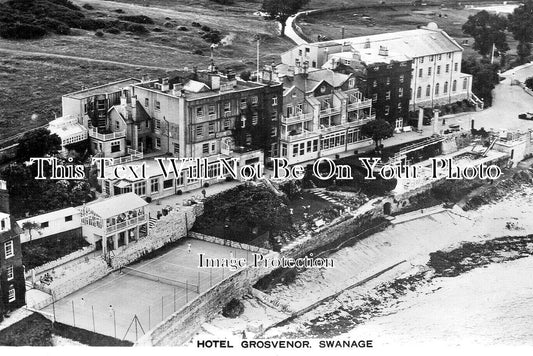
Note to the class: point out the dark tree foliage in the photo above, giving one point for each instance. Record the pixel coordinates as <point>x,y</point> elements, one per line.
<point>245,207</point>
<point>37,143</point>
<point>377,130</point>
<point>281,10</point>
<point>529,83</point>
<point>484,78</point>
<point>138,19</point>
<point>521,25</point>
<point>487,29</point>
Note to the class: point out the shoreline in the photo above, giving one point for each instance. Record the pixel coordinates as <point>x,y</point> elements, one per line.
<point>483,226</point>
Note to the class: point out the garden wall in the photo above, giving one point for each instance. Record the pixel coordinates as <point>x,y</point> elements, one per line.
<point>224,242</point>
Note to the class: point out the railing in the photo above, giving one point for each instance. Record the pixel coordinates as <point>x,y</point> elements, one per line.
<point>126,223</point>
<point>305,134</point>
<point>296,118</point>
<point>106,137</point>
<point>363,104</point>
<point>133,155</point>
<point>358,122</point>
<point>330,111</point>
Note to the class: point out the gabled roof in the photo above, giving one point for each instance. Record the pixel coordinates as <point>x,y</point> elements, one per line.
<point>195,87</point>
<point>116,205</point>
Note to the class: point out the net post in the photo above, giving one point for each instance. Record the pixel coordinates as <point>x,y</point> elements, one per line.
<point>115,323</point>
<point>174,300</point>
<point>73,314</point>
<point>94,325</point>
<point>187,291</point>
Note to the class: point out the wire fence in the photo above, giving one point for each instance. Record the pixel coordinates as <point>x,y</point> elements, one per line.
<point>130,323</point>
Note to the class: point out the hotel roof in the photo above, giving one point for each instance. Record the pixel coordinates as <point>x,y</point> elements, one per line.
<point>102,89</point>
<point>117,204</point>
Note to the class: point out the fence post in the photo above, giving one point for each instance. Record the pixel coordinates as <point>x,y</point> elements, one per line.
<point>149,319</point>
<point>94,325</point>
<point>187,291</point>
<point>174,300</point>
<point>115,323</point>
<point>73,314</point>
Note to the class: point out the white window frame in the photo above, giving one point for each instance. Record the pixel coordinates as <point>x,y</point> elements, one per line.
<point>12,294</point>
<point>11,249</point>
<point>10,273</point>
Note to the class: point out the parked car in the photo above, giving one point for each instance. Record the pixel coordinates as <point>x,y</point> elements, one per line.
<point>454,127</point>
<point>526,116</point>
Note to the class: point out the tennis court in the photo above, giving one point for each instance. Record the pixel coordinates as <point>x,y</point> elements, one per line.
<point>150,290</point>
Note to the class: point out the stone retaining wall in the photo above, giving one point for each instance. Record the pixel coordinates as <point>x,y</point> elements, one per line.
<point>223,242</point>
<point>61,261</point>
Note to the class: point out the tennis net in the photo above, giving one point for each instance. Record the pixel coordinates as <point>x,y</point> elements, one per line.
<point>160,279</point>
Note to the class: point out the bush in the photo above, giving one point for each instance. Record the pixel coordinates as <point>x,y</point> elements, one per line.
<point>38,252</point>
<point>529,83</point>
<point>205,28</point>
<point>233,309</point>
<point>183,28</point>
<point>135,28</point>
<point>245,75</point>
<point>229,178</point>
<point>198,52</point>
<point>22,31</point>
<point>206,185</point>
<point>196,24</point>
<point>148,199</point>
<point>138,19</point>
<point>179,192</point>
<point>99,33</point>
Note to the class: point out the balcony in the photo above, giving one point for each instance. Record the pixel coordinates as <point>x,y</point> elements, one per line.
<point>106,137</point>
<point>295,119</point>
<point>132,155</point>
<point>363,104</point>
<point>125,224</point>
<point>305,134</point>
<point>330,111</point>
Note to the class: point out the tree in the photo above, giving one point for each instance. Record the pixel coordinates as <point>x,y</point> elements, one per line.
<point>487,29</point>
<point>377,130</point>
<point>37,143</point>
<point>484,78</point>
<point>281,10</point>
<point>529,83</point>
<point>520,24</point>
<point>29,226</point>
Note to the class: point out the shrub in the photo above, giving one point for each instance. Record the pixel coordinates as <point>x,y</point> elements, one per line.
<point>206,185</point>
<point>22,31</point>
<point>135,28</point>
<point>212,37</point>
<point>245,75</point>
<point>196,24</point>
<point>198,52</point>
<point>138,19</point>
<point>205,28</point>
<point>179,192</point>
<point>148,199</point>
<point>529,83</point>
<point>233,309</point>
<point>183,28</point>
<point>99,33</point>
<point>88,7</point>
<point>229,178</point>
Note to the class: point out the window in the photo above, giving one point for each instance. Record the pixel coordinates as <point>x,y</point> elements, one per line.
<point>429,71</point>
<point>438,69</point>
<point>299,52</point>
<point>440,57</point>
<point>351,83</point>
<point>428,90</point>
<point>402,78</point>
<point>177,149</point>
<point>445,87</point>
<point>154,185</point>
<point>68,218</point>
<point>157,105</point>
<point>387,110</point>
<point>374,97</point>
<point>315,145</point>
<point>147,123</point>
<point>274,116</point>
<point>399,106</point>
<point>199,112</point>
<point>421,59</point>
<point>299,108</point>
<point>226,124</point>
<point>157,124</point>
<point>295,150</point>
<point>242,106</point>
<point>431,58</point>
<point>8,249</point>
<point>465,83</point>
<point>255,119</point>
<point>157,142</point>
<point>211,110</point>
<point>117,125</point>
<point>168,183</point>
<point>44,225</point>
<point>388,80</point>
<point>211,128</point>
<point>400,92</point>
<point>454,85</point>
<point>205,148</point>
<point>115,146</point>
<point>347,62</point>
<point>146,102</point>
<point>274,131</point>
<point>307,50</point>
<point>180,181</point>
<point>248,139</point>
<point>437,89</point>
<point>199,130</point>
<point>212,147</point>
<point>387,95</point>
<point>456,67</point>
<point>419,92</point>
<point>274,101</point>
<point>420,72</point>
<point>254,100</point>
<point>140,188</point>
<point>375,83</point>
<point>11,297</point>
<point>10,274</point>
<point>313,64</point>
<point>227,107</point>
<point>2,224</point>
<point>447,68</point>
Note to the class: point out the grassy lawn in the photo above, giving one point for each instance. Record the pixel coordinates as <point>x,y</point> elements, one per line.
<point>38,252</point>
